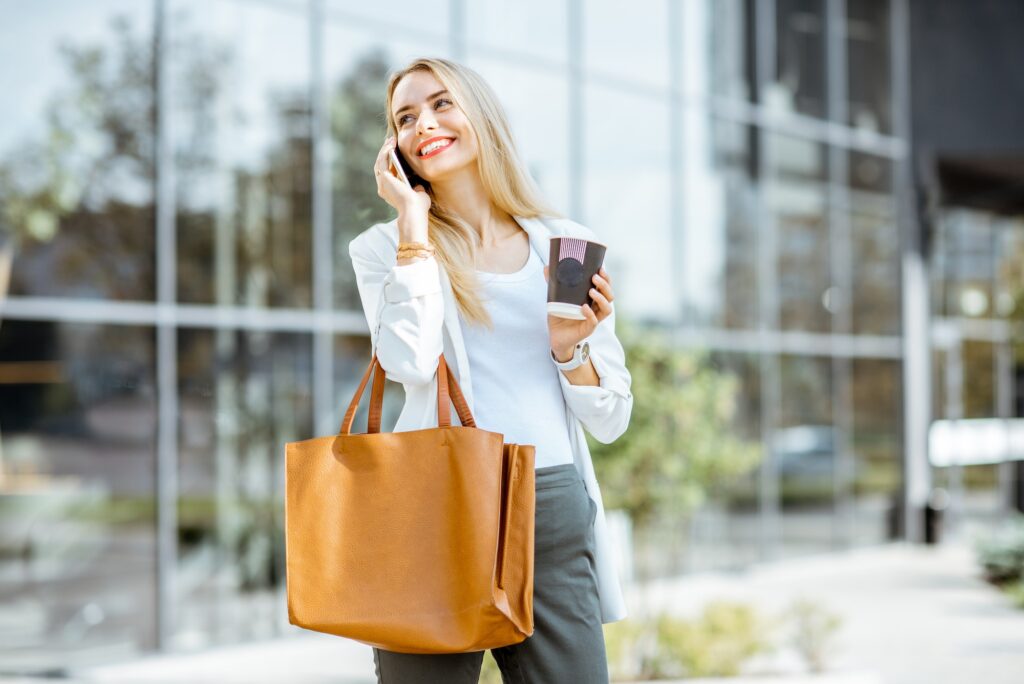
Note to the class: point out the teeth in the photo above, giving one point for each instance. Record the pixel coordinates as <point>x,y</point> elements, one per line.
<point>433,146</point>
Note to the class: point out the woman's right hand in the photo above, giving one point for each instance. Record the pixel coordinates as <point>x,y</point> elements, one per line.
<point>412,204</point>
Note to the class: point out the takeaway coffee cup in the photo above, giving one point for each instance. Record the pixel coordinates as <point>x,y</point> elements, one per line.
<point>572,263</point>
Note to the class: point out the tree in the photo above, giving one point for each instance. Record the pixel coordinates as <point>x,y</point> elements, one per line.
<point>680,444</point>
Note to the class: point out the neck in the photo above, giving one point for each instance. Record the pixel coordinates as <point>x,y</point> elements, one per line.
<point>466,197</point>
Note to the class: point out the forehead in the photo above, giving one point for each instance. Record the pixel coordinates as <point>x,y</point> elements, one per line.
<point>414,88</point>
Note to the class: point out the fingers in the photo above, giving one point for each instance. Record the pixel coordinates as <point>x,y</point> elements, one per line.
<point>604,285</point>
<point>382,166</point>
<point>604,305</point>
<point>545,273</point>
<point>590,315</point>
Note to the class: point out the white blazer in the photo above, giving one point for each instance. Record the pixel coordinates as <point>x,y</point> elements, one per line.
<point>412,316</point>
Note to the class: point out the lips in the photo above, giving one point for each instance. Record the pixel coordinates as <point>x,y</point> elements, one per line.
<point>451,141</point>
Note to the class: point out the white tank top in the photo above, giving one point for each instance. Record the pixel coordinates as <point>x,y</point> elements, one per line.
<point>516,390</point>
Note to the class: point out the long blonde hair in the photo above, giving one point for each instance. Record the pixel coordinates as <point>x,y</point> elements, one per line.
<point>502,172</point>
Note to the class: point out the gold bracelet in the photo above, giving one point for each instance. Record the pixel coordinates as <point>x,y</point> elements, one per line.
<point>417,250</point>
<point>406,246</point>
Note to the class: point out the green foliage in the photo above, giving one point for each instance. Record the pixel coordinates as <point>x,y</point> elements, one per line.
<point>1016,593</point>
<point>489,673</point>
<point>814,630</point>
<point>717,643</point>
<point>681,441</point>
<point>1001,554</point>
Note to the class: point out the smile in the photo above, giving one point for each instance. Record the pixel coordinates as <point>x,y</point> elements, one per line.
<point>436,148</point>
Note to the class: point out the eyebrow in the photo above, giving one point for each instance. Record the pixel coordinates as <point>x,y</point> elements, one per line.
<point>409,106</point>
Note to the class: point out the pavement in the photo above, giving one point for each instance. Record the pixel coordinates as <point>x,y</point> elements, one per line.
<point>909,615</point>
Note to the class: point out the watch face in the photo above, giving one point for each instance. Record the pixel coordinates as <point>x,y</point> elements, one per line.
<point>586,351</point>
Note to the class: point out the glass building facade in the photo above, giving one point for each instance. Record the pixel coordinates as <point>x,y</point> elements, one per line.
<point>180,181</point>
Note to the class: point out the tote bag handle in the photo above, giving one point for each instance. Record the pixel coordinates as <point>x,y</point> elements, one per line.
<point>448,391</point>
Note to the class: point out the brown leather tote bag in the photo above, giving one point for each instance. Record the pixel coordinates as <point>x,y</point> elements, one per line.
<point>415,542</point>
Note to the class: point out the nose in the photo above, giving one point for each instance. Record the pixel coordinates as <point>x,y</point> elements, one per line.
<point>425,122</point>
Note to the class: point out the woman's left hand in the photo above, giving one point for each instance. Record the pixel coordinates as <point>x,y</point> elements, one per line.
<point>566,332</point>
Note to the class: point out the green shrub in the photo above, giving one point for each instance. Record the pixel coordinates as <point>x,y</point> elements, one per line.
<point>1016,593</point>
<point>1001,554</point>
<point>718,642</point>
<point>814,629</point>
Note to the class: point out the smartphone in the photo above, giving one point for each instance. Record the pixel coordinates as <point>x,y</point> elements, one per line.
<point>405,172</point>
<point>399,165</point>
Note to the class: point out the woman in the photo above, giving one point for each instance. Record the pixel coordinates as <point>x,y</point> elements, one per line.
<point>459,272</point>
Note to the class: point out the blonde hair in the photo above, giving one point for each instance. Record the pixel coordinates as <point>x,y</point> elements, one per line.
<point>503,174</point>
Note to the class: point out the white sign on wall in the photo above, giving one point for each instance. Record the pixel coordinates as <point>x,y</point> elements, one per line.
<point>975,441</point>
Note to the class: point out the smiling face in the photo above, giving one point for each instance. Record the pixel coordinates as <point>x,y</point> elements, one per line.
<point>434,134</point>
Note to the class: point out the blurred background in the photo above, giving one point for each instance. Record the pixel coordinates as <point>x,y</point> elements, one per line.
<point>815,219</point>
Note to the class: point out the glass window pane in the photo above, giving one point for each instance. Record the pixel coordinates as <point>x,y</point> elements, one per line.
<point>726,530</point>
<point>351,358</point>
<point>537,27</point>
<point>876,274</point>
<point>1010,268</point>
<point>410,16</point>
<point>868,64</point>
<point>804,450</point>
<point>240,92</point>
<point>877,448</point>
<point>627,40</point>
<point>717,42</point>
<point>77,508</point>
<point>76,149</point>
<point>797,198</point>
<point>720,209</point>
<point>243,394</point>
<point>540,123</point>
<point>358,62</point>
<point>968,243</point>
<point>627,199</point>
<point>799,84</point>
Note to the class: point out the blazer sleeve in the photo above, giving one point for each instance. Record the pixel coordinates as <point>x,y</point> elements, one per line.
<point>404,310</point>
<point>603,410</point>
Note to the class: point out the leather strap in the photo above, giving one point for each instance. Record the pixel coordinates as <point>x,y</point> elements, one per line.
<point>448,392</point>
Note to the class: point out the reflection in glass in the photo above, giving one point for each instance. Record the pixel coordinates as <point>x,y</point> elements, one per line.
<point>77,508</point>
<point>540,123</point>
<point>627,41</point>
<point>239,92</point>
<point>804,451</point>
<point>243,395</point>
<point>876,443</point>
<point>717,42</point>
<point>77,151</point>
<point>967,261</point>
<point>868,64</point>
<point>876,274</point>
<point>410,15</point>
<point>799,85</point>
<point>720,232</point>
<point>351,358</point>
<point>537,27</point>
<point>1009,297</point>
<point>797,200</point>
<point>627,198</point>
<point>357,65</point>
<point>725,532</point>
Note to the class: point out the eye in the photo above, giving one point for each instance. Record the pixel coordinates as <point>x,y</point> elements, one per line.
<point>401,119</point>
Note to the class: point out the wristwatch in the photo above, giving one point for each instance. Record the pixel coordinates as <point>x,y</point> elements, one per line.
<point>579,357</point>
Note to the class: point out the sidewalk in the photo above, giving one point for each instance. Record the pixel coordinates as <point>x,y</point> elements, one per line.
<point>910,615</point>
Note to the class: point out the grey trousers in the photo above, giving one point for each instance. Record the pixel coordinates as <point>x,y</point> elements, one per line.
<point>567,644</point>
